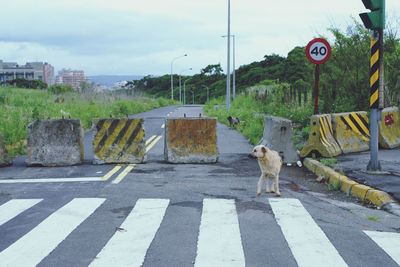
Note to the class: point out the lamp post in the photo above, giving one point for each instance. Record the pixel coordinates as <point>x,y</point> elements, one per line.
<point>180,83</point>
<point>192,96</point>
<point>228,72</point>
<point>184,90</point>
<point>172,76</point>
<point>208,92</point>
<point>234,68</point>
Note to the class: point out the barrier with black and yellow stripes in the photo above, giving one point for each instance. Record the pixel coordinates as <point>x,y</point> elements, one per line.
<point>351,131</point>
<point>321,140</point>
<point>389,128</point>
<point>119,141</point>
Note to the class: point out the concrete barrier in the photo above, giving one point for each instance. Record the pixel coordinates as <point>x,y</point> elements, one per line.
<point>191,140</point>
<point>321,140</point>
<point>389,128</point>
<point>118,141</point>
<point>55,143</point>
<point>4,160</point>
<point>278,136</point>
<point>351,131</point>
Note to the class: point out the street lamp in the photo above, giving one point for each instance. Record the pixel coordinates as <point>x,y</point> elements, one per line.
<point>172,76</point>
<point>192,96</point>
<point>184,90</point>
<point>208,92</point>
<point>234,68</point>
<point>228,72</point>
<point>180,83</point>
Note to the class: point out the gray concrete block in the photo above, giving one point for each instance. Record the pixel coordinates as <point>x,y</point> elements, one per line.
<point>278,136</point>
<point>55,143</point>
<point>4,160</point>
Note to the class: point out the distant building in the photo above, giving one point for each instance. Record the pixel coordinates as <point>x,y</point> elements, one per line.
<point>73,78</point>
<point>42,71</point>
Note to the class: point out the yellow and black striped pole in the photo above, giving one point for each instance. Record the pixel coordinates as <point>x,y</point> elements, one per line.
<point>374,72</point>
<point>376,82</point>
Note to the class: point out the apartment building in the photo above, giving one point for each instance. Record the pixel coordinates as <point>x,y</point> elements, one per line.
<point>73,78</point>
<point>42,71</point>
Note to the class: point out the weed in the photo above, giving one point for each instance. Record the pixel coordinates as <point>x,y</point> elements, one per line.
<point>373,218</point>
<point>334,186</point>
<point>330,162</point>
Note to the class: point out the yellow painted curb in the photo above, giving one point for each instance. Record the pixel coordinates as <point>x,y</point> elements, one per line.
<point>350,187</point>
<point>360,191</point>
<point>378,198</point>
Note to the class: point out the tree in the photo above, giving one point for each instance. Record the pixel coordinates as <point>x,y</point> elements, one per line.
<point>215,69</point>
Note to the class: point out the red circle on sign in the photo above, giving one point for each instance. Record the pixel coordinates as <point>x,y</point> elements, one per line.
<point>318,51</point>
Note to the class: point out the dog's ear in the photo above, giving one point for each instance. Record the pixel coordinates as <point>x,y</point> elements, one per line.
<point>264,149</point>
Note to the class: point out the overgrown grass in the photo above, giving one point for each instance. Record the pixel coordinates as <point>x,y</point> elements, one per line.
<point>329,162</point>
<point>19,107</point>
<point>252,112</point>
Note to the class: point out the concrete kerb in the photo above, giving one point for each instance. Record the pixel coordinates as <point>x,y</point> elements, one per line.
<point>365,193</point>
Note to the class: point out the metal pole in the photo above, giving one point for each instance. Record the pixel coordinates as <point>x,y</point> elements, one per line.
<point>172,75</point>
<point>234,70</point>
<point>192,97</point>
<point>228,72</point>
<point>184,90</point>
<point>375,66</point>
<point>180,90</point>
<point>316,88</point>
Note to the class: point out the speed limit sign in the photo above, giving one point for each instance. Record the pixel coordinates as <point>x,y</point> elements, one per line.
<point>318,51</point>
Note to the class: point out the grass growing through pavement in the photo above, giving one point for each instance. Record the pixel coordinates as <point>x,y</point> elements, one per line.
<point>329,162</point>
<point>334,186</point>
<point>19,107</point>
<point>373,218</point>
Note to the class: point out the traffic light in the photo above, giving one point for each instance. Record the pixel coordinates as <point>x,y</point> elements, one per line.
<point>374,20</point>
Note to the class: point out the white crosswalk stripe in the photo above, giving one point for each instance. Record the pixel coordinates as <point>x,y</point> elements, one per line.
<point>308,243</point>
<point>15,207</point>
<point>44,238</point>
<point>219,242</point>
<point>128,246</point>
<point>389,242</point>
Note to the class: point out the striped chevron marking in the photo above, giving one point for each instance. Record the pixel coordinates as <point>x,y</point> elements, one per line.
<point>374,73</point>
<point>219,243</point>
<point>358,124</point>
<point>33,247</point>
<point>389,242</point>
<point>14,207</point>
<point>118,139</point>
<point>326,132</point>
<point>308,243</point>
<point>128,246</point>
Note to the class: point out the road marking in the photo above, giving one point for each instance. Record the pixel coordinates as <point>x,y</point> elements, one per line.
<point>14,207</point>
<point>44,238</point>
<point>124,173</point>
<point>129,245</point>
<point>148,141</point>
<point>308,243</point>
<point>163,126</point>
<point>52,180</point>
<point>389,242</point>
<point>151,145</point>
<point>111,173</point>
<point>219,242</point>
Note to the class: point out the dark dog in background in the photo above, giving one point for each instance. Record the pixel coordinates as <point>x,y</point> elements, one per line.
<point>233,122</point>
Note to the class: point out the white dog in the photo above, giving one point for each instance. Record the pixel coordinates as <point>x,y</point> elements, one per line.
<point>270,164</point>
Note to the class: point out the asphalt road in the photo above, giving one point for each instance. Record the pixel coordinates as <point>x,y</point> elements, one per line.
<point>159,214</point>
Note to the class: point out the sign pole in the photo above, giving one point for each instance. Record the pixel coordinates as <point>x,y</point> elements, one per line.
<point>316,88</point>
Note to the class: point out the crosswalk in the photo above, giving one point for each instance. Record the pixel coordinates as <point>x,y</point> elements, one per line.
<point>219,240</point>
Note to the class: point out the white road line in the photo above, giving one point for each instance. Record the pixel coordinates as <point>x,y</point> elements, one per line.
<point>163,126</point>
<point>308,243</point>
<point>150,146</point>
<point>148,141</point>
<point>111,173</point>
<point>52,180</point>
<point>219,242</point>
<point>14,207</point>
<point>389,242</point>
<point>124,173</point>
<point>33,247</point>
<point>129,245</point>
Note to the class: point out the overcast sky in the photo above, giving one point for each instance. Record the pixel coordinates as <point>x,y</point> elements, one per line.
<point>142,37</point>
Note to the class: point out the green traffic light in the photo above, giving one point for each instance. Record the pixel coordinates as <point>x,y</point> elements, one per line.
<point>374,20</point>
